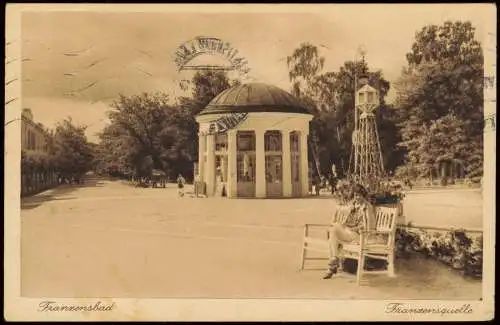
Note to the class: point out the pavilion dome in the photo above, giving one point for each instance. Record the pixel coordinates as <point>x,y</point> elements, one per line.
<point>254,97</point>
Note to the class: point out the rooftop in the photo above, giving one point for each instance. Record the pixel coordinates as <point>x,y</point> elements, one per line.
<point>254,97</point>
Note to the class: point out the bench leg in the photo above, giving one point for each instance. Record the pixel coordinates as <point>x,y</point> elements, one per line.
<point>390,265</point>
<point>361,267</point>
<point>303,256</point>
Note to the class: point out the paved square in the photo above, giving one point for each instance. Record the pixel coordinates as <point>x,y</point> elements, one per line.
<point>109,239</point>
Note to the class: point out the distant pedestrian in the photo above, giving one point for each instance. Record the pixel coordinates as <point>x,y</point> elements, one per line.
<point>333,183</point>
<point>316,185</point>
<point>180,185</point>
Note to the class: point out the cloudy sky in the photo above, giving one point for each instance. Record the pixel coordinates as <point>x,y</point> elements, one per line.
<point>76,62</point>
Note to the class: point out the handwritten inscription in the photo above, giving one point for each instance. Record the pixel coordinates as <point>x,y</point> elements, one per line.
<point>52,306</point>
<point>400,308</point>
<point>210,46</point>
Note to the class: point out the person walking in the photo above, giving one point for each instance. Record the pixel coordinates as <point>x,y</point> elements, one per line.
<point>180,185</point>
<point>333,183</point>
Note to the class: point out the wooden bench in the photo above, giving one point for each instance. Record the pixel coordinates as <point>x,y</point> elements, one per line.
<point>384,249</point>
<point>321,244</point>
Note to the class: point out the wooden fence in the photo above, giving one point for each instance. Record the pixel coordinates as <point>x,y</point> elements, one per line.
<point>36,182</point>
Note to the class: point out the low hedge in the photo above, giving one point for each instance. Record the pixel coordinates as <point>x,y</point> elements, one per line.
<point>455,249</point>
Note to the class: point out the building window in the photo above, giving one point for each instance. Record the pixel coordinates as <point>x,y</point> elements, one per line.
<point>273,146</point>
<point>370,97</point>
<point>274,171</point>
<point>221,142</point>
<point>294,142</point>
<point>361,98</point>
<point>295,168</point>
<point>221,168</point>
<point>245,167</point>
<point>245,160</point>
<point>245,141</point>
<point>31,140</point>
<point>272,141</point>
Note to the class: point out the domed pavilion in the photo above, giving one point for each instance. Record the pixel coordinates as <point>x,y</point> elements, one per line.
<point>253,143</point>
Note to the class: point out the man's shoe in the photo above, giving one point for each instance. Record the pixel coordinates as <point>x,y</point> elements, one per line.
<point>330,273</point>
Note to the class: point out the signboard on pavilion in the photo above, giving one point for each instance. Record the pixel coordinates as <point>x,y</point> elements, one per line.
<point>223,123</point>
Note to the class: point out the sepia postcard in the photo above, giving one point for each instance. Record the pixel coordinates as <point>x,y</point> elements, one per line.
<point>249,162</point>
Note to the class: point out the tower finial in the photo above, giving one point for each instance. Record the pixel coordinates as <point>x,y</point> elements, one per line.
<point>362,52</point>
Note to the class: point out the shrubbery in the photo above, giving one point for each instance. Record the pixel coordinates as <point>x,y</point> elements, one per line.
<point>454,248</point>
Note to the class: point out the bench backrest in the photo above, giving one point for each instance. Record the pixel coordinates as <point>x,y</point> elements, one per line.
<point>386,218</point>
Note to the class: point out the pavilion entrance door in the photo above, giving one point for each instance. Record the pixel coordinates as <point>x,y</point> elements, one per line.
<point>296,186</point>
<point>245,164</point>
<point>220,175</point>
<point>295,163</point>
<point>246,174</point>
<point>274,173</point>
<point>274,163</point>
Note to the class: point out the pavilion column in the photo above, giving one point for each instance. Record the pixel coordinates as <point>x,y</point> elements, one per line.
<point>304,164</point>
<point>287,164</point>
<point>210,171</point>
<point>202,138</point>
<point>260,165</point>
<point>232,176</point>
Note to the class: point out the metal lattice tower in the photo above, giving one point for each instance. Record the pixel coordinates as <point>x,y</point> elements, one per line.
<point>368,161</point>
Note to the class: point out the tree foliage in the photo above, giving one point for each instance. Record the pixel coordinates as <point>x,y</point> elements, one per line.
<point>70,149</point>
<point>329,96</point>
<point>147,132</point>
<point>440,100</point>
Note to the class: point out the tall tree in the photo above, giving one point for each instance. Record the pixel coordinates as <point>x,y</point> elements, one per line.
<point>72,152</point>
<point>205,85</point>
<point>147,132</point>
<point>329,96</point>
<point>440,88</point>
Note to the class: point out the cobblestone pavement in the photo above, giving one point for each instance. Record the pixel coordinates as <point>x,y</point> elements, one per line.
<point>109,239</point>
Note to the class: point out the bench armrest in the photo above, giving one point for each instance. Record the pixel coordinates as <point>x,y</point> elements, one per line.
<point>325,227</point>
<point>317,225</point>
<point>367,232</point>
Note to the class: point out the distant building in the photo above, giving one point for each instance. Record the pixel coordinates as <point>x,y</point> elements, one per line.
<point>33,135</point>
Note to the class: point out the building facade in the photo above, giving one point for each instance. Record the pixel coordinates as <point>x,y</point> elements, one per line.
<point>35,143</point>
<point>33,135</point>
<point>253,143</point>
